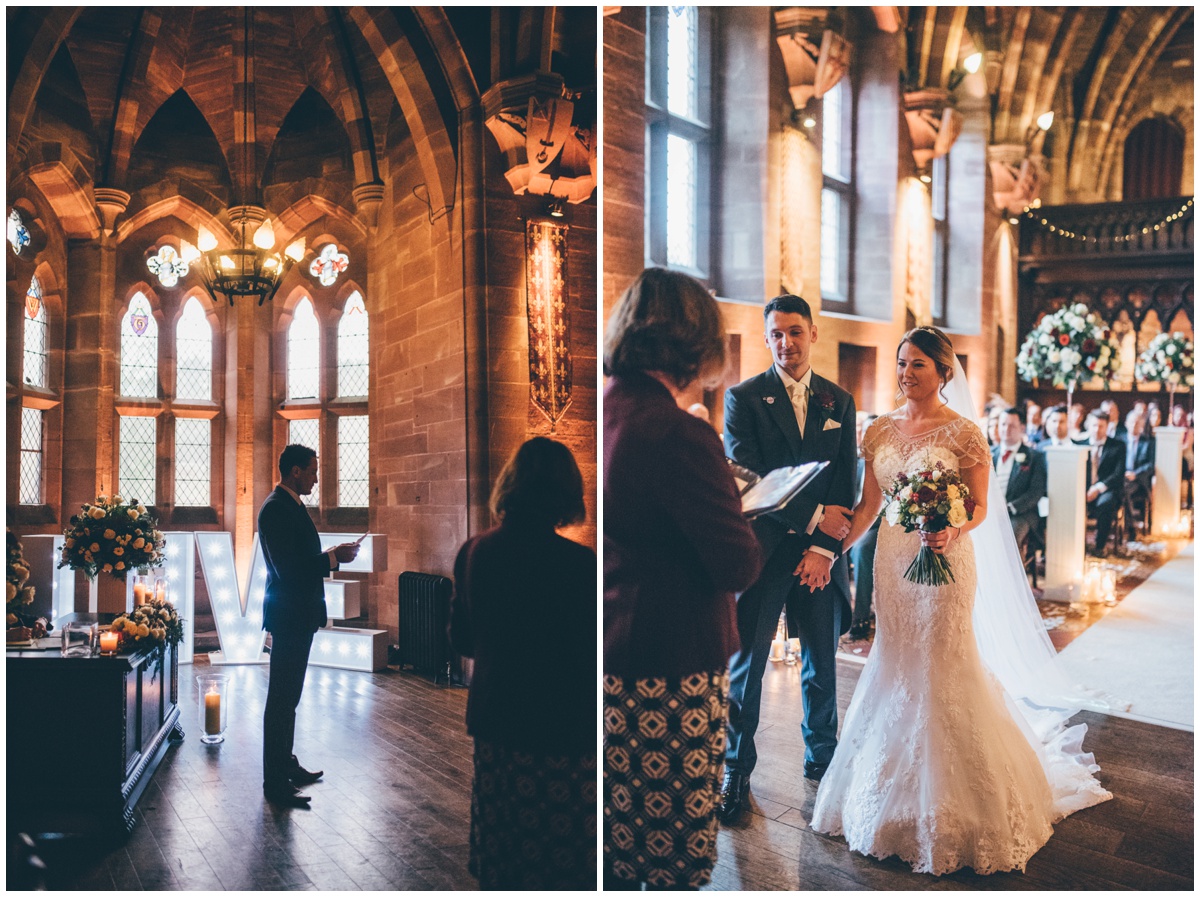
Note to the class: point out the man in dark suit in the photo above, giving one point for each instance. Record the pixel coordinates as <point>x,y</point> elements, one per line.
<point>1105,477</point>
<point>1020,475</point>
<point>293,610</point>
<point>1139,463</point>
<point>786,416</point>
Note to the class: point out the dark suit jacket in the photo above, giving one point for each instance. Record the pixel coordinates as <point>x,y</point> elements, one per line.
<point>676,546</point>
<point>525,608</point>
<point>1027,482</point>
<point>1112,466</point>
<point>296,566</point>
<point>761,434</point>
<point>1140,461</point>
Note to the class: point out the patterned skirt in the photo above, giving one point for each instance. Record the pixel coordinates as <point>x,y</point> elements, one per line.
<point>533,820</point>
<point>664,748</point>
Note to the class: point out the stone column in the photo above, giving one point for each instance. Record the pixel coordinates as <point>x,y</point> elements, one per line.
<point>1066,525</point>
<point>1168,479</point>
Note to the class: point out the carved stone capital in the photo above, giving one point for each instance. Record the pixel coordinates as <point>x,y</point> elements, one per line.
<point>814,54</point>
<point>368,198</point>
<point>110,202</point>
<point>933,124</point>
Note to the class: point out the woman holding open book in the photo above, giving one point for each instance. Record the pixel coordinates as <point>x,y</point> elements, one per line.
<point>676,549</point>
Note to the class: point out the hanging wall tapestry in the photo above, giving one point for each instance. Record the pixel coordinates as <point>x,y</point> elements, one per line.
<point>549,325</point>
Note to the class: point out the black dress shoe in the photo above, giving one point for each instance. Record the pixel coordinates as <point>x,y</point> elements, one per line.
<point>301,776</point>
<point>815,771</point>
<point>733,796</point>
<point>860,631</point>
<point>286,795</point>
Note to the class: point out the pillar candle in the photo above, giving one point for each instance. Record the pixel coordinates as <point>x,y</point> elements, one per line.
<point>777,649</point>
<point>140,593</point>
<point>212,713</point>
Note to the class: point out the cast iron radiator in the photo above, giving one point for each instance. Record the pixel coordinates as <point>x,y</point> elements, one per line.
<point>424,616</point>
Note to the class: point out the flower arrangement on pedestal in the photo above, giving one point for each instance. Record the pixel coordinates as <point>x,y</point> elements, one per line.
<point>112,536</point>
<point>1070,347</point>
<point>1169,360</point>
<point>154,624</point>
<point>19,625</point>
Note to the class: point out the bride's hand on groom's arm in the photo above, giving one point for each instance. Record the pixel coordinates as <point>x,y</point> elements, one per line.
<point>836,522</point>
<point>814,570</point>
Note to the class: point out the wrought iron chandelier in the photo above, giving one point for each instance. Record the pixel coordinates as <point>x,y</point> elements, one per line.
<point>252,267</point>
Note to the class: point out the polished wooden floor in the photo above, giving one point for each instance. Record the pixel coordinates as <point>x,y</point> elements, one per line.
<point>1142,839</point>
<point>391,814</point>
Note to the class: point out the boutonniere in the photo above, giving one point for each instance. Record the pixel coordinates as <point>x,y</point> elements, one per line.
<point>1022,458</point>
<point>824,403</point>
<point>770,400</point>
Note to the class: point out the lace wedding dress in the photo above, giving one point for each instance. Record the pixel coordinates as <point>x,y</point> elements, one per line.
<point>936,764</point>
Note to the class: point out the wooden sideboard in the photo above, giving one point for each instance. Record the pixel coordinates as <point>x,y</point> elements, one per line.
<point>85,735</point>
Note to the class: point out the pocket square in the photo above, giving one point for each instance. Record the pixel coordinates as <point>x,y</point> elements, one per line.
<point>831,424</point>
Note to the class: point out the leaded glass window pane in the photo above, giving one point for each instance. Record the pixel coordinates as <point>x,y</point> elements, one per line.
<point>831,208</point>
<point>139,350</point>
<point>37,329</point>
<point>135,471</point>
<point>353,361</point>
<point>31,457</point>
<point>193,462</point>
<point>306,432</point>
<point>304,353</point>
<point>683,50</point>
<point>193,346</point>
<point>353,462</point>
<point>681,201</point>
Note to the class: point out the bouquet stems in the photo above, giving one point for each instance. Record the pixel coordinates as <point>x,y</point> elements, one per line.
<point>929,569</point>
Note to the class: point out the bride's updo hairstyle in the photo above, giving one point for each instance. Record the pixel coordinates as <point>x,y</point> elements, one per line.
<point>937,346</point>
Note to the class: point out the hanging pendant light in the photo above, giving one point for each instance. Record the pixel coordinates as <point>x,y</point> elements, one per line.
<point>252,267</point>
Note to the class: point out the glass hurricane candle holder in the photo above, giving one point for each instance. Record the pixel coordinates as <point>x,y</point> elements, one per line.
<point>78,639</point>
<point>141,589</point>
<point>214,707</point>
<point>160,589</point>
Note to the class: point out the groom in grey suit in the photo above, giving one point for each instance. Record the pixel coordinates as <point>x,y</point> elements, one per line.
<point>785,416</point>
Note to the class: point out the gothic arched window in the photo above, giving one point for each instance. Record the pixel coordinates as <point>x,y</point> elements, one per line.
<point>37,327</point>
<point>193,349</point>
<point>139,350</point>
<point>304,353</point>
<point>353,361</point>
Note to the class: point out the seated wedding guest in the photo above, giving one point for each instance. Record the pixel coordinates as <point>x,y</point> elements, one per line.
<point>1139,457</point>
<point>1033,423</point>
<point>862,555</point>
<point>525,608</point>
<point>1105,477</point>
<point>1056,427</point>
<point>993,424</point>
<point>676,549</point>
<point>1020,475</point>
<point>1075,425</point>
<point>1180,418</point>
<point>1116,429</point>
<point>1153,417</point>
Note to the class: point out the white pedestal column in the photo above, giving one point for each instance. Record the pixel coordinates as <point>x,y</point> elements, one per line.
<point>1168,478</point>
<point>1066,523</point>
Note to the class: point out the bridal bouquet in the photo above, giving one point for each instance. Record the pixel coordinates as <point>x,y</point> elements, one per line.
<point>929,500</point>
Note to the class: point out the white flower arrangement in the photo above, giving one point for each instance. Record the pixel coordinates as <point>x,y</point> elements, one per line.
<point>1069,347</point>
<point>1169,359</point>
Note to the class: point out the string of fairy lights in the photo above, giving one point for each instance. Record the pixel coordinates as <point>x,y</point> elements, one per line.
<point>1032,213</point>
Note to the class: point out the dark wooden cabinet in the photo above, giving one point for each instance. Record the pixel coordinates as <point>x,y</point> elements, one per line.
<point>85,735</point>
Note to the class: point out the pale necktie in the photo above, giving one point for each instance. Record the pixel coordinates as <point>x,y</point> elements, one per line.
<point>1095,463</point>
<point>798,395</point>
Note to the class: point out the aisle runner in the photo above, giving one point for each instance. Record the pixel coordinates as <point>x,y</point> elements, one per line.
<point>1142,652</point>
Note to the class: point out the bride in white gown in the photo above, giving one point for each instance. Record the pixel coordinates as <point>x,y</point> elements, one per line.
<point>937,763</point>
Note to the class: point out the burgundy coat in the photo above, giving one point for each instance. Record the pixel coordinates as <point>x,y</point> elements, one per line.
<point>676,547</point>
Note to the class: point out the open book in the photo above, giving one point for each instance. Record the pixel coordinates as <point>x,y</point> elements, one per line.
<point>762,495</point>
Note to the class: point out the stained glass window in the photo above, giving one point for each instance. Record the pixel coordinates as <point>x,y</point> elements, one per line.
<point>353,361</point>
<point>193,348</point>
<point>353,462</point>
<point>167,266</point>
<point>31,457</point>
<point>328,264</point>
<point>304,353</point>
<point>139,350</point>
<point>307,432</point>
<point>18,233</point>
<point>683,39</point>
<point>135,470</point>
<point>37,329</point>
<point>193,462</point>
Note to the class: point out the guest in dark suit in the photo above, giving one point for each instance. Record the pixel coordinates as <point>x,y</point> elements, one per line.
<point>1020,475</point>
<point>525,608</point>
<point>1116,430</point>
<point>1056,428</point>
<point>293,610</point>
<point>1139,462</point>
<point>1105,477</point>
<point>862,554</point>
<point>785,416</point>
<point>676,548</point>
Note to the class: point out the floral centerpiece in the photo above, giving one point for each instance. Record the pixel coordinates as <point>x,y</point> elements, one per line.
<point>150,627</point>
<point>1067,348</point>
<point>112,536</point>
<point>1169,360</point>
<point>929,500</point>
<point>18,595</point>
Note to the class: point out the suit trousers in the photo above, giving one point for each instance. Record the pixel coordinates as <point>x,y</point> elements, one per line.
<point>819,618</point>
<point>289,663</point>
<point>863,556</point>
<point>1104,509</point>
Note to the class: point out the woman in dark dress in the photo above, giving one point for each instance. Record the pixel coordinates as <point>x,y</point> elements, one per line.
<point>676,548</point>
<point>525,609</point>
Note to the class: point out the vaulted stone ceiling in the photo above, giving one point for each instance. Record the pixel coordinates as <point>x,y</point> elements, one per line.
<point>1098,68</point>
